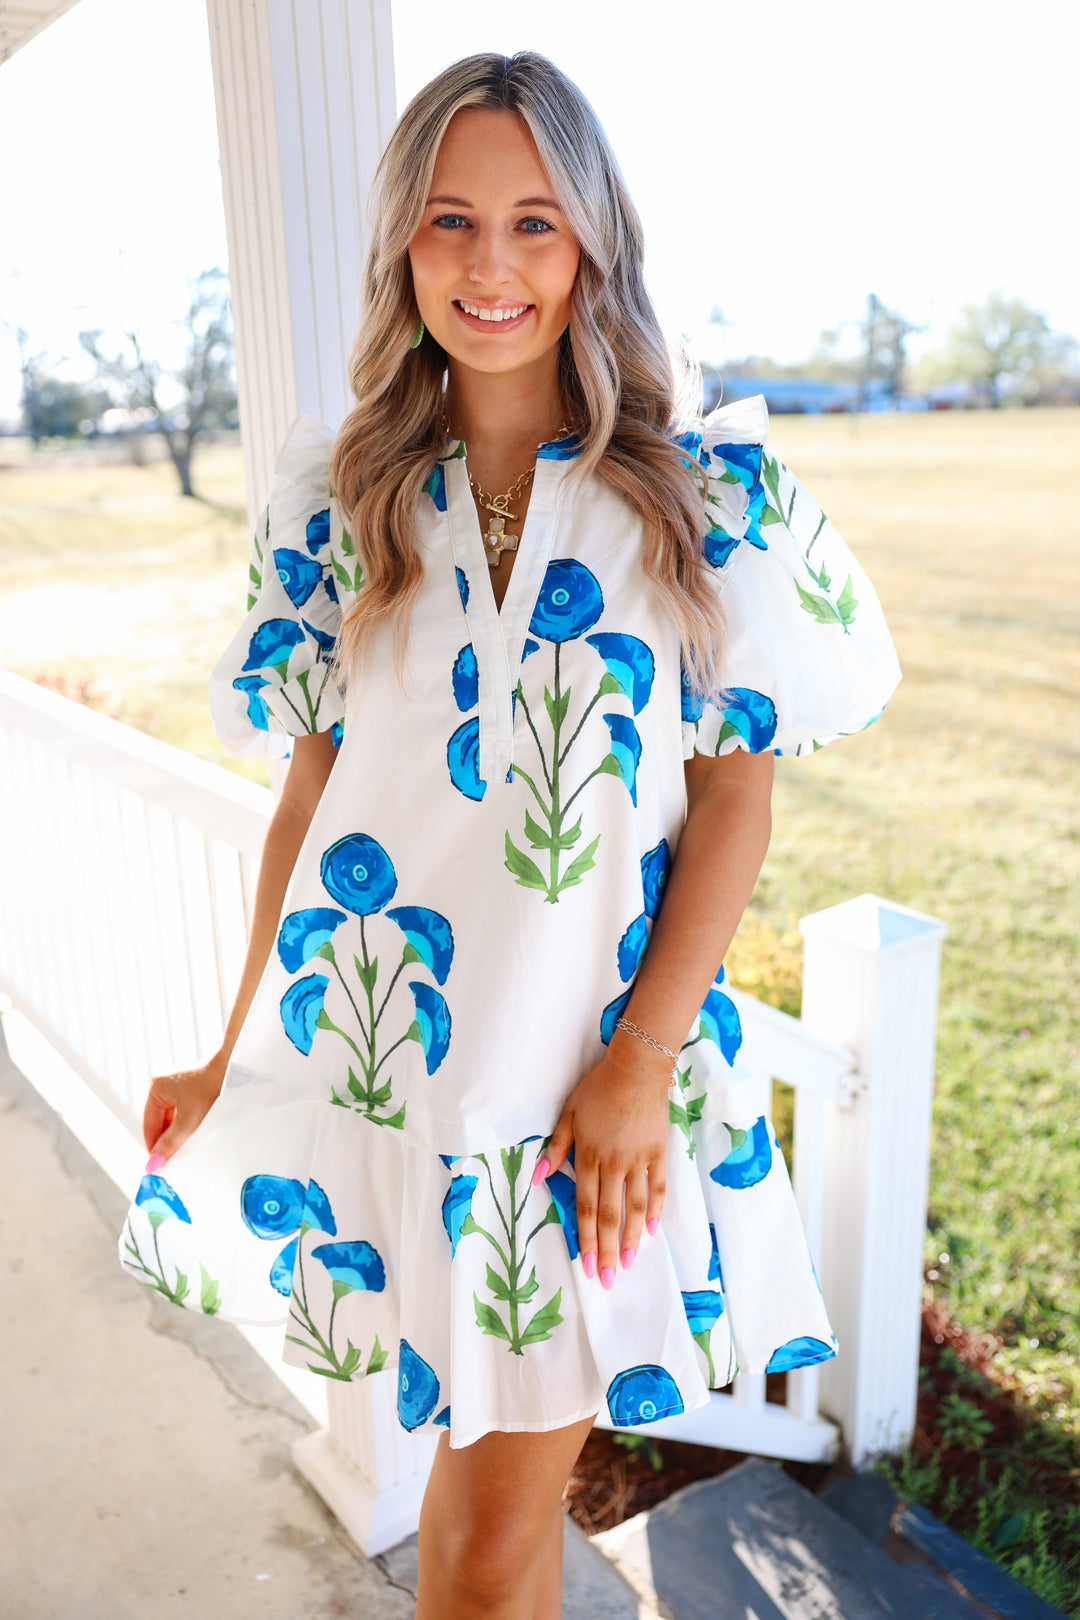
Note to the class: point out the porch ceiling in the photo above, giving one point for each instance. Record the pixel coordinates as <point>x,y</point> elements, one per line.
<point>20,22</point>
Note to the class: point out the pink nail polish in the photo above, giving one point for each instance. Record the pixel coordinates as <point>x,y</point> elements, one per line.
<point>540,1173</point>
<point>154,1163</point>
<point>652,1224</point>
<point>588,1263</point>
<point>607,1276</point>
<point>627,1258</point>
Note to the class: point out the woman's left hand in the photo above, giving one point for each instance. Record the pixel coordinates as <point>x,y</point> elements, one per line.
<point>617,1119</point>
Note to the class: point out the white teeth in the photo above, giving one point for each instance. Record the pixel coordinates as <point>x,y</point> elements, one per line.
<point>492,314</point>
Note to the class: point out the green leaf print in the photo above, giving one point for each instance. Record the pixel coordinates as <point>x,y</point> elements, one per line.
<point>210,1294</point>
<point>347,544</point>
<point>556,707</point>
<point>175,1291</point>
<point>538,838</point>
<point>328,1362</point>
<point>609,766</point>
<point>377,1358</point>
<point>611,686</point>
<point>525,870</point>
<point>846,603</point>
<point>579,866</point>
<point>819,607</point>
<point>768,515</point>
<point>770,472</point>
<point>507,1282</point>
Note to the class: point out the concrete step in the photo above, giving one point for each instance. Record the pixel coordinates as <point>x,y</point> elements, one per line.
<point>754,1542</point>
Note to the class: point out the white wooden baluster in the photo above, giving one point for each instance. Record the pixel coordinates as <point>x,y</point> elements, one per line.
<point>870,980</point>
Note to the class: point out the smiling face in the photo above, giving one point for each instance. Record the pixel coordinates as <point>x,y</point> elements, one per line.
<point>493,259</point>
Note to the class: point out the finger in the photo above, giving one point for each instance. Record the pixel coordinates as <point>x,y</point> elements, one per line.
<point>637,1199</point>
<point>558,1146</point>
<point>609,1223</point>
<point>158,1114</point>
<point>588,1188</point>
<point>657,1187</point>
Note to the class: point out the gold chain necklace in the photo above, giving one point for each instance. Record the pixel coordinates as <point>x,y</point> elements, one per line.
<point>498,539</point>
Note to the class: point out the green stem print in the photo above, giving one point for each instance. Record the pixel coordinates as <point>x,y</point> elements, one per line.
<point>687,1111</point>
<point>822,608</point>
<point>509,1285</point>
<point>340,1367</point>
<point>366,1096</point>
<point>557,835</point>
<point>178,1290</point>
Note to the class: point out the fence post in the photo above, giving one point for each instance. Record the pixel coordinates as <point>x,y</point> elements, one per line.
<point>870,982</point>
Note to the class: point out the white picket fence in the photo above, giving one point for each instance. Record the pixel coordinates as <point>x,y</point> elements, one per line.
<point>127,873</point>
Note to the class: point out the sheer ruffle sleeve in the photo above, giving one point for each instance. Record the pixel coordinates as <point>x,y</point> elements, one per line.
<point>809,654</point>
<point>273,680</point>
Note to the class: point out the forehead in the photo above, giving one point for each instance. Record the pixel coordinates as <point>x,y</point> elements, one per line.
<point>490,153</point>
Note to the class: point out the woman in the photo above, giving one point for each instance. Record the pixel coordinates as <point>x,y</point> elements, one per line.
<point>457,1118</point>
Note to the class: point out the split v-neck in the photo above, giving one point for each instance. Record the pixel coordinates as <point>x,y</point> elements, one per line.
<point>498,633</point>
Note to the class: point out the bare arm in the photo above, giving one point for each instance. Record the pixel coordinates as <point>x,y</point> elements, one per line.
<point>617,1115</point>
<point>177,1103</point>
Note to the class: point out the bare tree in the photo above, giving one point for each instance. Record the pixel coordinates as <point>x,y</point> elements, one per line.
<point>884,349</point>
<point>206,378</point>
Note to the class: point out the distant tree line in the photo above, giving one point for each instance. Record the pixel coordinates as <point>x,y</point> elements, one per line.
<point>1002,349</point>
<point>203,386</point>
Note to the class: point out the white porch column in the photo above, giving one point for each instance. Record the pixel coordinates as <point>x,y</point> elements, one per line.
<point>305,103</point>
<point>870,980</point>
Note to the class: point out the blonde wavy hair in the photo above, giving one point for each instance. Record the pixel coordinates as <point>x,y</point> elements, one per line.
<point>623,389</point>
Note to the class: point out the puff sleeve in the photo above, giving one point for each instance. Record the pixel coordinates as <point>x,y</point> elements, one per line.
<point>809,655</point>
<point>273,680</point>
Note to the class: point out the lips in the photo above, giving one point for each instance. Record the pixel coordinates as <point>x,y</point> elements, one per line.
<point>492,317</point>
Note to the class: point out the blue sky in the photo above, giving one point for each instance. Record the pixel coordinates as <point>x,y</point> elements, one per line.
<point>787,158</point>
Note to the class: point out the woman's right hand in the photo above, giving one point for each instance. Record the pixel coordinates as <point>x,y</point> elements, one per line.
<point>177,1103</point>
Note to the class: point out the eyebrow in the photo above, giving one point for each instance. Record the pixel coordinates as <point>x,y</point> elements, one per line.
<point>525,202</point>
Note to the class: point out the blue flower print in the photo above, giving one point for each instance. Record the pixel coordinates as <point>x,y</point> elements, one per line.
<point>417,1388</point>
<point>703,1307</point>
<point>612,1013</point>
<point>300,1008</point>
<point>158,1199</point>
<point>632,949</point>
<point>430,936</point>
<point>303,932</point>
<point>272,1206</point>
<point>750,1159</point>
<point>631,663</point>
<point>456,1205</point>
<point>463,759</point>
<point>281,1272</point>
<point>530,646</point>
<point>625,750</point>
<point>745,461</point>
<point>801,1352</point>
<point>331,589</point>
<point>433,1023</point>
<point>298,574</point>
<point>655,866</point>
<point>569,603</point>
<point>317,1211</point>
<point>719,1017</point>
<point>641,1395</point>
<point>326,641</point>
<point>318,529</point>
<point>463,586</point>
<point>693,703</point>
<point>352,1266</point>
<point>750,715</point>
<point>690,440</point>
<point>718,546</point>
<point>337,732</point>
<point>436,487</point>
<point>442,1419</point>
<point>258,713</point>
<point>359,874</point>
<point>466,679</point>
<point>563,1192</point>
<point>564,449</point>
<point>272,643</point>
<point>715,1273</point>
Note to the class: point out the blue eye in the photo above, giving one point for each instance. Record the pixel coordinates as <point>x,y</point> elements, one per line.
<point>449,222</point>
<point>534,220</point>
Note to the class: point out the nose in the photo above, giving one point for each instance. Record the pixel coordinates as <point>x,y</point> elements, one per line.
<point>490,266</point>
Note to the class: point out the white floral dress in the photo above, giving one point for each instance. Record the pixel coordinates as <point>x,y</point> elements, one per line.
<point>462,928</point>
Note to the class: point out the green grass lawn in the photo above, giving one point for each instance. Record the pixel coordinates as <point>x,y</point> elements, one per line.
<point>962,801</point>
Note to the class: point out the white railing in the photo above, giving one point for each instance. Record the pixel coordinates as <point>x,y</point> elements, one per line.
<point>127,873</point>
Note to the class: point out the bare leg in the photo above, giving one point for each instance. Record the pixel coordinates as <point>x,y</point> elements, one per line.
<point>487,1526</point>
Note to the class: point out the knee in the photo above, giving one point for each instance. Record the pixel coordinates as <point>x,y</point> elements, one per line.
<point>485,1560</point>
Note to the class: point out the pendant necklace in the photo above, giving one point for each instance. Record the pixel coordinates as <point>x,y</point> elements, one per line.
<point>498,538</point>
